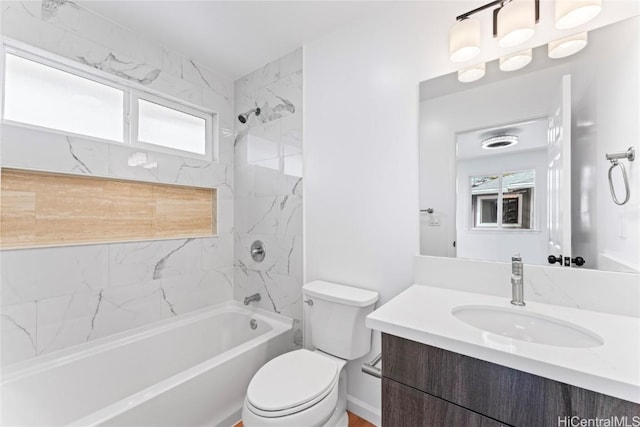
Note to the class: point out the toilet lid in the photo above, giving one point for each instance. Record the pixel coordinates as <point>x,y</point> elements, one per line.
<point>291,380</point>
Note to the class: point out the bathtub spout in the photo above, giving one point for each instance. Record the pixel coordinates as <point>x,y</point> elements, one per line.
<point>254,297</point>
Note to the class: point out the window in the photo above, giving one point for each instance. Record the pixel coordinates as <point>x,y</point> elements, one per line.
<point>44,96</point>
<point>168,127</point>
<point>503,201</point>
<point>74,99</point>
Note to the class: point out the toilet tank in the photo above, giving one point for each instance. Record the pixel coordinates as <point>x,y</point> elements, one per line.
<point>337,318</point>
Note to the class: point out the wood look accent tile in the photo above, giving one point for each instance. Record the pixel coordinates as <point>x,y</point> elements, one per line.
<point>49,209</point>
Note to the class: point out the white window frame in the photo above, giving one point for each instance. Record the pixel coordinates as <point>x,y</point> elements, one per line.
<point>520,210</point>
<point>134,119</point>
<point>479,223</point>
<point>132,92</point>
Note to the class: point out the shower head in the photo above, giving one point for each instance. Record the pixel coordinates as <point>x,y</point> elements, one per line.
<point>244,117</point>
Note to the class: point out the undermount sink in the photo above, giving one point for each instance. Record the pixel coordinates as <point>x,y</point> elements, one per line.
<point>523,325</point>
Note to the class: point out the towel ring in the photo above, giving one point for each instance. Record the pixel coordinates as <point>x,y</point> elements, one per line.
<point>613,158</point>
<point>615,163</point>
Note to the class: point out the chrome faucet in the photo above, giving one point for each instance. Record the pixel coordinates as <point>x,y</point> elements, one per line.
<point>517,280</point>
<point>254,297</point>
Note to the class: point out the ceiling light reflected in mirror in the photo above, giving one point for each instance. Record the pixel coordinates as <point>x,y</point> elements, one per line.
<point>473,73</point>
<point>516,61</point>
<point>567,46</point>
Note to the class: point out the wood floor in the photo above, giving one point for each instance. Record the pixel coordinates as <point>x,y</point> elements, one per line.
<point>354,421</point>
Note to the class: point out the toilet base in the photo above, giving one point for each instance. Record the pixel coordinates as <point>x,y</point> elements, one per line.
<point>338,419</point>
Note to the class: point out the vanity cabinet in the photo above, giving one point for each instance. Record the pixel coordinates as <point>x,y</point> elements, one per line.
<point>428,386</point>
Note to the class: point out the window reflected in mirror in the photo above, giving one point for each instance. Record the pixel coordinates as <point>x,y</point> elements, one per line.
<point>503,201</point>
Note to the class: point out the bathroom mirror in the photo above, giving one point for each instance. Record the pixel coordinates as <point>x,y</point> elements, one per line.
<point>515,162</point>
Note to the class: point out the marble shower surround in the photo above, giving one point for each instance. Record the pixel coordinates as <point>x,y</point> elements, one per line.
<point>268,190</point>
<point>52,298</point>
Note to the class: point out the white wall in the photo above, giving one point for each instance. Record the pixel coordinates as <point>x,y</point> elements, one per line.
<point>361,167</point>
<point>361,141</point>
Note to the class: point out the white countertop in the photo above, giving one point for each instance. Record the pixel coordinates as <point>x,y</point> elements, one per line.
<point>423,314</point>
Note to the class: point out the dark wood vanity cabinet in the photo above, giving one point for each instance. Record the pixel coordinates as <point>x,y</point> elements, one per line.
<point>428,386</point>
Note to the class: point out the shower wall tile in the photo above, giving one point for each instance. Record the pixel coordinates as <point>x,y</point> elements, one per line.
<point>268,187</point>
<point>280,294</point>
<point>244,180</point>
<point>56,297</point>
<point>138,262</point>
<point>258,79</point>
<point>215,253</point>
<point>270,182</point>
<point>291,63</point>
<point>198,291</point>
<point>36,274</point>
<point>35,149</point>
<point>85,316</point>
<point>18,332</point>
<point>126,307</point>
<point>225,218</point>
<point>282,255</point>
<point>66,320</point>
<point>279,215</point>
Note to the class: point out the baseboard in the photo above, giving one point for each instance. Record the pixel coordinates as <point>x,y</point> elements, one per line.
<point>364,410</point>
<point>230,420</point>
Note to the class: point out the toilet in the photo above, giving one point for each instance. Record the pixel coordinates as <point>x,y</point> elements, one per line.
<point>308,388</point>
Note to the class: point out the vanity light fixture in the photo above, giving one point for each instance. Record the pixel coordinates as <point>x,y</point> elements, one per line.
<point>498,142</point>
<point>513,22</point>
<point>567,46</point>
<point>472,73</point>
<point>516,60</point>
<point>572,13</point>
<point>464,40</point>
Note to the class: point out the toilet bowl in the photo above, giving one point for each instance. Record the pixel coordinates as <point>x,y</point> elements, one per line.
<point>300,388</point>
<point>308,388</point>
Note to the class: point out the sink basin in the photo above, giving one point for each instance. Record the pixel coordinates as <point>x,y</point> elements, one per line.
<point>526,326</point>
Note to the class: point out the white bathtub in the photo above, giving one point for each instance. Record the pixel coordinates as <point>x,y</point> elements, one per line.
<point>191,370</point>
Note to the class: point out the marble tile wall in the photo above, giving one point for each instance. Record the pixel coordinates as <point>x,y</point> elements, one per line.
<point>268,187</point>
<point>52,298</point>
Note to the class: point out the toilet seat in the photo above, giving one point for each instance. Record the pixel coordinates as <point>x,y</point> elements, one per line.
<point>291,383</point>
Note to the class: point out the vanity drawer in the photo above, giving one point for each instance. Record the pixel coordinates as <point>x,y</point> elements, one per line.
<point>406,406</point>
<point>511,396</point>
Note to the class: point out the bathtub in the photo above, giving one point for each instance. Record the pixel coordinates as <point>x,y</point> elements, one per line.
<point>190,370</point>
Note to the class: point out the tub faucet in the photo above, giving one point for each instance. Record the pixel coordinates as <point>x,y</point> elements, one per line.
<point>254,297</point>
<point>517,280</point>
